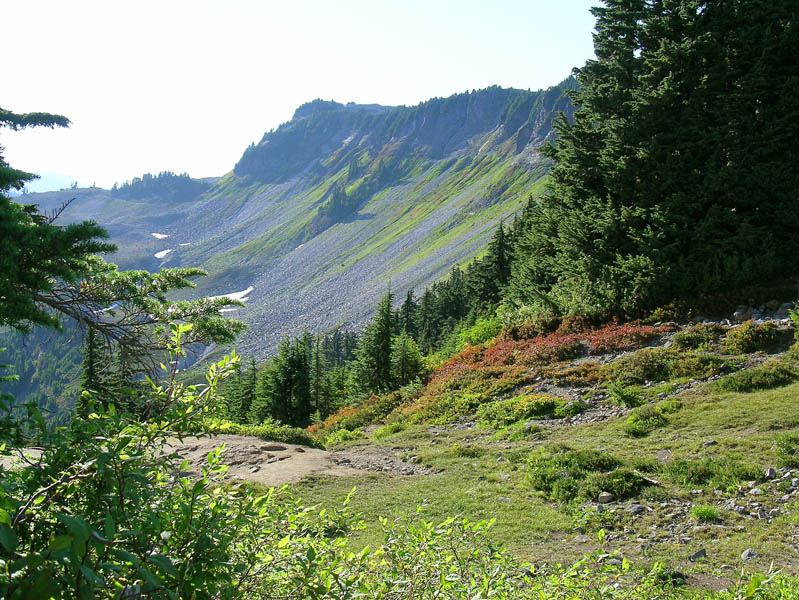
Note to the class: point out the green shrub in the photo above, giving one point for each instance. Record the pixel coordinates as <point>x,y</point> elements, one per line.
<point>269,430</point>
<point>700,336</point>
<point>339,436</point>
<point>661,364</point>
<point>750,337</point>
<point>644,420</point>
<point>526,406</point>
<point>482,331</point>
<point>773,373</point>
<point>628,396</point>
<point>705,513</point>
<point>788,449</point>
<point>622,483</point>
<point>389,429</point>
<point>564,474</point>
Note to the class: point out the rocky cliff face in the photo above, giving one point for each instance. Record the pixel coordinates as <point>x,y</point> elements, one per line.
<point>317,217</point>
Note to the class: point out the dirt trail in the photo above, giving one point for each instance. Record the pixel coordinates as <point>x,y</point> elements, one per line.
<point>272,463</point>
<point>253,459</point>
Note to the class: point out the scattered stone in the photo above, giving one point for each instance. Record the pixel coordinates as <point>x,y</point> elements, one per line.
<point>299,449</point>
<point>583,539</point>
<point>606,498</point>
<point>748,555</point>
<point>761,514</point>
<point>755,492</point>
<point>635,509</point>
<point>774,512</point>
<point>254,469</point>
<point>271,447</point>
<point>504,477</point>
<point>710,443</point>
<point>699,554</point>
<point>770,473</point>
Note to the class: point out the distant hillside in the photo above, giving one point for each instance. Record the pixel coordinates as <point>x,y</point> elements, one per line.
<point>319,215</point>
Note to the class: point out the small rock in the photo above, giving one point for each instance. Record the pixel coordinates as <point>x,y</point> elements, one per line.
<point>774,512</point>
<point>770,473</point>
<point>710,443</point>
<point>699,554</point>
<point>755,492</point>
<point>504,477</point>
<point>795,482</point>
<point>583,539</point>
<point>635,509</point>
<point>606,497</point>
<point>748,555</point>
<point>254,469</point>
<point>271,447</point>
<point>299,449</point>
<point>761,514</point>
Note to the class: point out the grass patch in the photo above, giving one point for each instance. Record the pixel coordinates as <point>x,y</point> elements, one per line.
<point>788,449</point>
<point>644,420</point>
<point>629,396</point>
<point>718,474</point>
<point>705,513</point>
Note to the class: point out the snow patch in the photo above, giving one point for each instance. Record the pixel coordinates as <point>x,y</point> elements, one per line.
<point>186,244</point>
<point>160,236</point>
<point>242,295</point>
<point>163,253</point>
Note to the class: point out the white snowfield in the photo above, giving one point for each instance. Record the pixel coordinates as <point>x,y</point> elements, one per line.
<point>163,253</point>
<point>242,295</point>
<point>160,236</point>
<point>185,244</point>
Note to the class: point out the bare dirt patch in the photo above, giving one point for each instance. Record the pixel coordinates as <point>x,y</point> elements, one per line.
<point>253,459</point>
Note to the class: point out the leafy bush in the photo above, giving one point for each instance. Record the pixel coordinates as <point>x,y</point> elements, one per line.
<point>502,413</point>
<point>700,336</point>
<point>644,420</point>
<point>268,430</point>
<point>389,429</point>
<point>661,364</point>
<point>749,337</point>
<point>339,436</point>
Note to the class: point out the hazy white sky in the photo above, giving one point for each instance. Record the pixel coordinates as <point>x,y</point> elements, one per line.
<point>186,85</point>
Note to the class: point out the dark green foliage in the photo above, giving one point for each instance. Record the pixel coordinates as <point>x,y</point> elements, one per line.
<point>487,278</point>
<point>502,413</point>
<point>406,360</point>
<point>372,368</point>
<point>564,474</point>
<point>166,186</point>
<point>658,191</point>
<point>284,391</point>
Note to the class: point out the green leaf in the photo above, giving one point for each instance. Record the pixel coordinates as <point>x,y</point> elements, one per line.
<point>60,542</point>
<point>76,526</point>
<point>8,539</point>
<point>44,588</point>
<point>163,563</point>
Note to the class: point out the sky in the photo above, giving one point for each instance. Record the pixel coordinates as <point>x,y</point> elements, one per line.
<point>187,85</point>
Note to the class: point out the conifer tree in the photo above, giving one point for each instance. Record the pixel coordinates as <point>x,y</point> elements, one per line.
<point>372,368</point>
<point>406,360</point>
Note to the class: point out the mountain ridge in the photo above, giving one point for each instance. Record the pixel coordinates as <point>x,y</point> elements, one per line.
<point>342,198</point>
